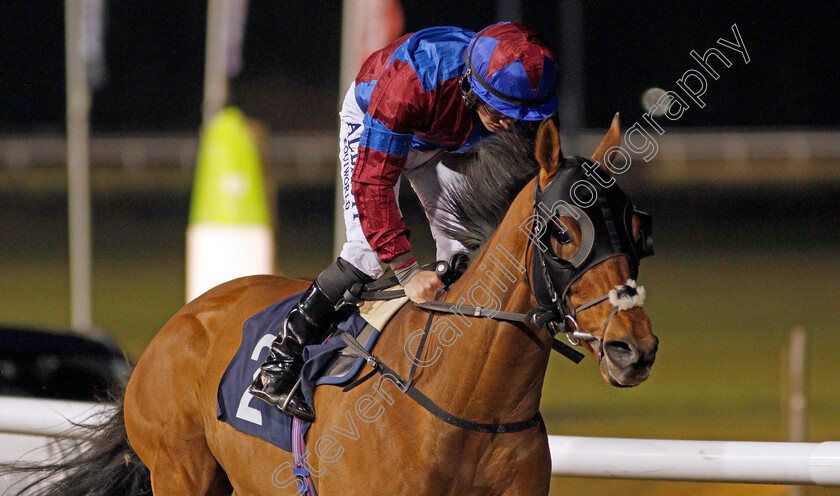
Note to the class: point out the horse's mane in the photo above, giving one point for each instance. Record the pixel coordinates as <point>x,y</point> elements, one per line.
<point>495,172</point>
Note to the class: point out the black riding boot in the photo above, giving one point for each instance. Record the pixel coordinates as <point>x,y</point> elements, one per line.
<point>309,322</point>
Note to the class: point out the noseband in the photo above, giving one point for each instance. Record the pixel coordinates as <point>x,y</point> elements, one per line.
<point>623,297</point>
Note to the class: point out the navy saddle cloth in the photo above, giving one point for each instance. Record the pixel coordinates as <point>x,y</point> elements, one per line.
<point>235,406</point>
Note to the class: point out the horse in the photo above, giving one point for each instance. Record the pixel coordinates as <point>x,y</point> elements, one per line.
<point>165,437</point>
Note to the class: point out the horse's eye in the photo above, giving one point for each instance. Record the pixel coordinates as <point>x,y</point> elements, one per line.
<point>561,237</point>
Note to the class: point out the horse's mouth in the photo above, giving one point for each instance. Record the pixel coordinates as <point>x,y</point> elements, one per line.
<point>624,377</point>
<point>633,382</point>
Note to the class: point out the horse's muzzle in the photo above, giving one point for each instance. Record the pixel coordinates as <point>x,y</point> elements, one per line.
<point>625,364</point>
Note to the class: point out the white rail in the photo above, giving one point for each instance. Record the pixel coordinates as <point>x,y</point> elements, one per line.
<point>653,459</point>
<point>132,150</point>
<point>700,461</point>
<point>50,418</point>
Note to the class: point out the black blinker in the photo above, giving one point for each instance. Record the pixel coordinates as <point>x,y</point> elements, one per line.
<point>644,245</point>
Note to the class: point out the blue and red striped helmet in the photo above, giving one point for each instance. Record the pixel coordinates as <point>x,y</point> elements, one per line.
<point>511,69</point>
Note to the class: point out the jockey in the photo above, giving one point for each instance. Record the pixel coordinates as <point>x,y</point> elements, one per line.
<point>439,89</point>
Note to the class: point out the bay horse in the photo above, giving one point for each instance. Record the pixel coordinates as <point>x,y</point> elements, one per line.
<point>374,439</point>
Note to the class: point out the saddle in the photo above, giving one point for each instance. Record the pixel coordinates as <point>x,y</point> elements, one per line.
<point>324,364</point>
<point>341,367</point>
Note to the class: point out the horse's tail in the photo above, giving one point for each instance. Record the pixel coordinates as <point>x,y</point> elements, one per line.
<point>103,465</point>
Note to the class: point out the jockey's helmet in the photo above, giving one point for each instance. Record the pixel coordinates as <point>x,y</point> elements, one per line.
<point>511,69</point>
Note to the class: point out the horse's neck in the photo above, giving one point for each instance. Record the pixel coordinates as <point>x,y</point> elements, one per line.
<point>496,368</point>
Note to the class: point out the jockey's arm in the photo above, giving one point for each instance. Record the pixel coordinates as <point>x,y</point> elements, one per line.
<point>385,229</point>
<point>388,129</point>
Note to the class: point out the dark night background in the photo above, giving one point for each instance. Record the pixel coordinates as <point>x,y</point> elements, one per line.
<point>155,52</point>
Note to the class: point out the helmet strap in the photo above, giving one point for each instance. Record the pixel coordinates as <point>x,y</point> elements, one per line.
<point>471,100</point>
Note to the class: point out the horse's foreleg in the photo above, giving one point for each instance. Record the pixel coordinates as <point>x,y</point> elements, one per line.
<point>518,464</point>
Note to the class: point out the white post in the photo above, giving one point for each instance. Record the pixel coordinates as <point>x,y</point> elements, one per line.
<point>52,418</point>
<point>78,167</point>
<point>348,69</point>
<point>215,59</point>
<point>366,26</point>
<point>797,401</point>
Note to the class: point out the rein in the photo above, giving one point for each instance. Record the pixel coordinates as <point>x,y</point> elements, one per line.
<point>622,298</point>
<point>555,312</point>
<point>535,318</point>
<point>407,385</point>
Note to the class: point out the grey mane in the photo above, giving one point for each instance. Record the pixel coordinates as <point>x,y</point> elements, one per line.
<point>494,173</point>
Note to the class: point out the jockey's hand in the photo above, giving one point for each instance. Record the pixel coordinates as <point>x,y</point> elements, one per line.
<point>423,286</point>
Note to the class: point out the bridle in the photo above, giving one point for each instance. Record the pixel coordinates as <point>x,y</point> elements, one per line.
<point>605,221</point>
<point>550,278</point>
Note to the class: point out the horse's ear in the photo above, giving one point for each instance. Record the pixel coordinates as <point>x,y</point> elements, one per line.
<point>609,144</point>
<point>548,150</point>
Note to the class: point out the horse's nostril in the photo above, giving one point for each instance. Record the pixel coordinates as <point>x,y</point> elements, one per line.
<point>621,352</point>
<point>653,350</point>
